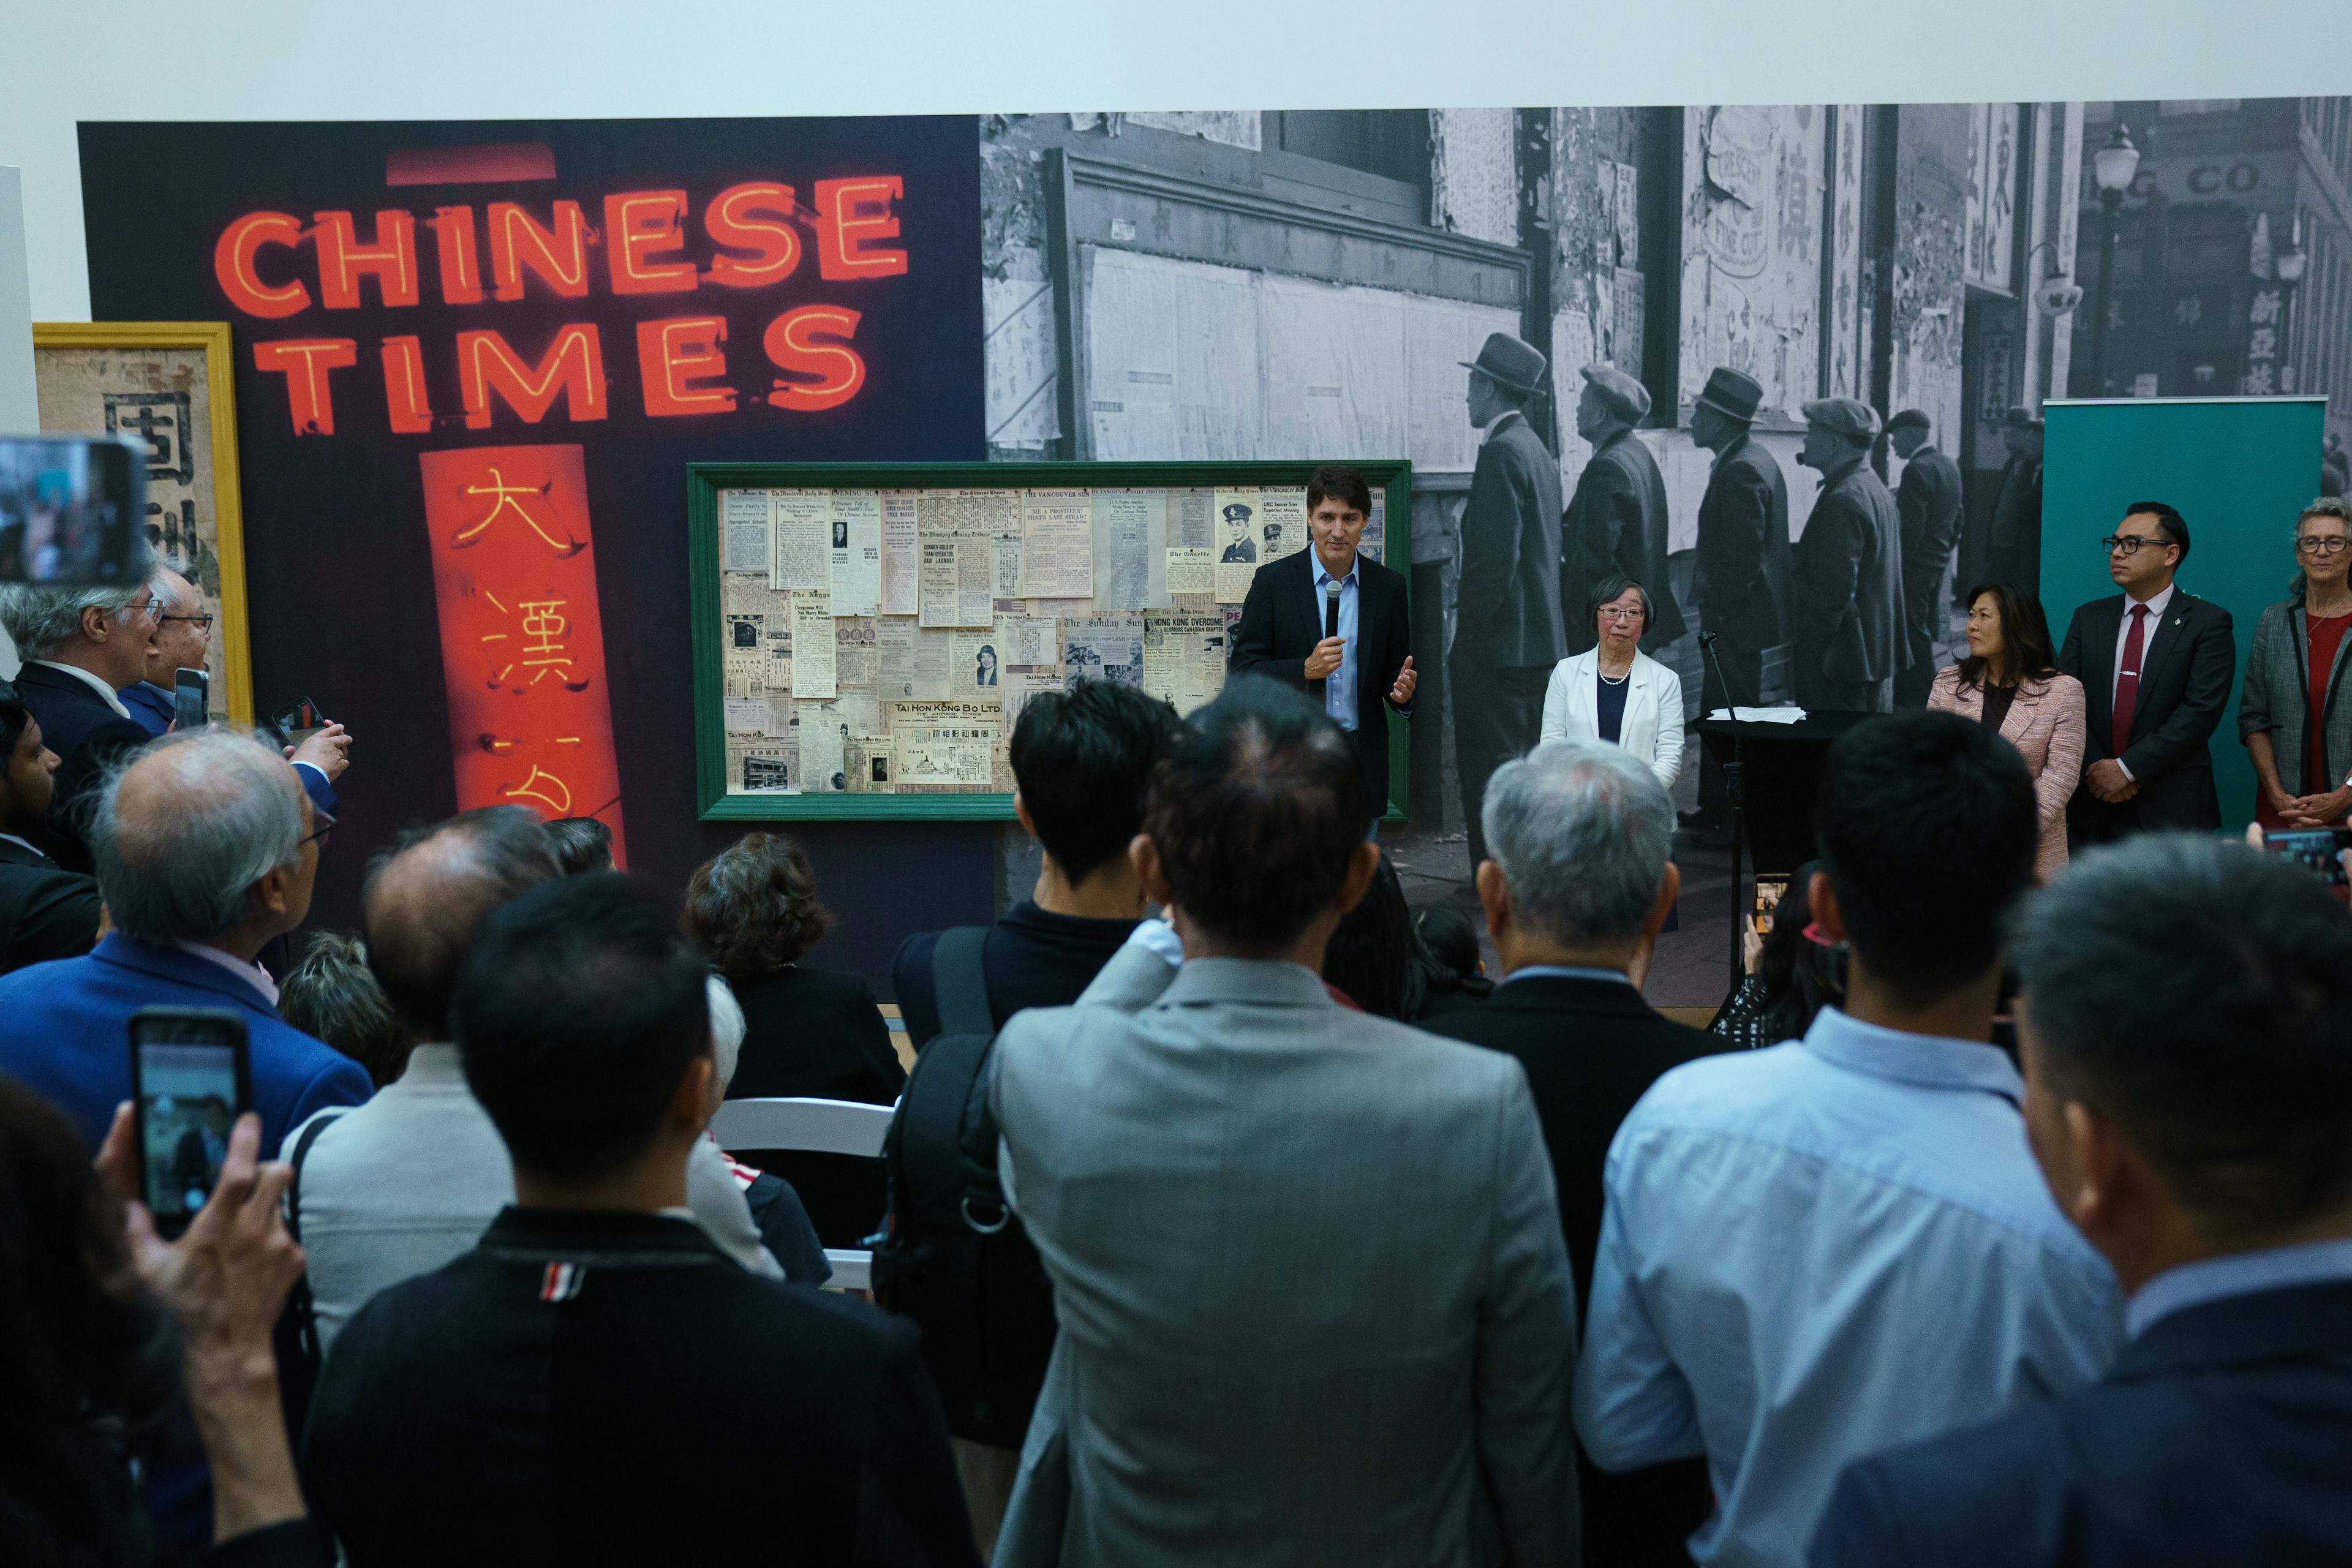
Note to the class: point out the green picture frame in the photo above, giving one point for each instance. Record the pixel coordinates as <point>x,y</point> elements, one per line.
<point>704,481</point>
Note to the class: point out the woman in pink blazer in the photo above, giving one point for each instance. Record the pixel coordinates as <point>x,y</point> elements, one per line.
<point>2009,683</point>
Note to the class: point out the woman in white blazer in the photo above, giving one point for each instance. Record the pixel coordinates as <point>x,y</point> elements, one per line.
<point>1616,692</point>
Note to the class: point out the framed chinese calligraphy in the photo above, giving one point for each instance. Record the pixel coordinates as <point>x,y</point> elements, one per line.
<point>866,633</point>
<point>168,382</point>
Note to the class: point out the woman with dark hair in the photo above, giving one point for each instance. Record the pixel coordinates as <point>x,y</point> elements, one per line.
<point>331,994</point>
<point>104,1331</point>
<point>1613,691</point>
<point>2009,683</point>
<point>1375,959</point>
<point>808,1033</point>
<point>1457,977</point>
<point>1793,974</point>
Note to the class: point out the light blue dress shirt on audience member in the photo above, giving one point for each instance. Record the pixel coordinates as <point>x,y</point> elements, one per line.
<point>1817,1250</point>
<point>1339,686</point>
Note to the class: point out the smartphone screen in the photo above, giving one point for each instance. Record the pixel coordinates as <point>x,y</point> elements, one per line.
<point>70,507</point>
<point>1770,891</point>
<point>2314,849</point>
<point>192,693</point>
<point>189,1081</point>
<point>298,722</point>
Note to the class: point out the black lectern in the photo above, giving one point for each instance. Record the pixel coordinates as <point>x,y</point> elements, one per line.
<point>1772,773</point>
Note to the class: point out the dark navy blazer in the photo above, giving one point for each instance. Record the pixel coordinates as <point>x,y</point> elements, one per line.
<point>2222,1436</point>
<point>64,1031</point>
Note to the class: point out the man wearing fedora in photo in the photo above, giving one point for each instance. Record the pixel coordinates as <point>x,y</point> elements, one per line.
<point>1743,561</point>
<point>1616,521</point>
<point>1847,627</point>
<point>1508,630</point>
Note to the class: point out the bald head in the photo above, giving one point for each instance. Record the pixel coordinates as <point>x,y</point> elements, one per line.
<point>190,827</point>
<point>426,895</point>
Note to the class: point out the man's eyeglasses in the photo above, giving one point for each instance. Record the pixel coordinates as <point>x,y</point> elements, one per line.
<point>2322,544</point>
<point>2130,544</point>
<point>204,621</point>
<point>319,836</point>
<point>152,609</point>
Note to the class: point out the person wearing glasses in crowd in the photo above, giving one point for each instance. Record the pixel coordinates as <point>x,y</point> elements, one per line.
<point>2156,663</point>
<point>1613,691</point>
<point>2299,742</point>
<point>79,646</point>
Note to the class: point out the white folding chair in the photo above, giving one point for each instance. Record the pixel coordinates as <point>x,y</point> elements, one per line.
<point>816,1126</point>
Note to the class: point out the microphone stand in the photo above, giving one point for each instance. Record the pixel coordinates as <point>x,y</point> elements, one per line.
<point>1735,791</point>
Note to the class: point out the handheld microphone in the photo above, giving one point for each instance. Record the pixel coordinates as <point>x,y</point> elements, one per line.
<point>1330,609</point>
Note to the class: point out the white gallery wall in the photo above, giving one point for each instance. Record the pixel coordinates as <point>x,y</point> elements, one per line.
<point>275,59</point>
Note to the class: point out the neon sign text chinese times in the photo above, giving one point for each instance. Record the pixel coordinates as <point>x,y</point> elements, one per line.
<point>752,236</point>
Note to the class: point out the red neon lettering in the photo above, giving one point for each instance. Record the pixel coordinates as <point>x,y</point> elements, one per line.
<point>573,368</point>
<point>672,353</point>
<point>793,344</point>
<point>461,263</point>
<point>637,223</point>
<point>730,219</point>
<point>305,361</point>
<point>561,259</point>
<point>851,215</point>
<point>403,386</point>
<point>233,265</point>
<point>391,257</point>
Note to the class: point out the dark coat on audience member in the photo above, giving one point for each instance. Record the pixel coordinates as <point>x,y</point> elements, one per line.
<point>46,912</point>
<point>87,735</point>
<point>596,1387</point>
<point>1744,562</point>
<point>1592,1048</point>
<point>815,1034</point>
<point>2222,1435</point>
<point>2188,664</point>
<point>1848,622</point>
<point>1616,523</point>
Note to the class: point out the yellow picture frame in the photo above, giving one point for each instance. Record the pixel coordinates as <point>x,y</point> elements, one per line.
<point>219,425</point>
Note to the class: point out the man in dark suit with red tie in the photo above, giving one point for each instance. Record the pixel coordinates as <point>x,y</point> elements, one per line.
<point>2155,664</point>
<point>1334,624</point>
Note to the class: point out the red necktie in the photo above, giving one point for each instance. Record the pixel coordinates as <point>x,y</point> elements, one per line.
<point>2128,683</point>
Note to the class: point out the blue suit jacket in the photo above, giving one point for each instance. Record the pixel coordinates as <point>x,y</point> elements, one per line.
<point>2222,1435</point>
<point>64,1030</point>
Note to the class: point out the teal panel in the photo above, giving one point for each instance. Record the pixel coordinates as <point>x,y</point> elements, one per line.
<point>2239,469</point>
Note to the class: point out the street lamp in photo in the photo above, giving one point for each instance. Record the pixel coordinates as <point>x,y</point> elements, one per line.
<point>2289,265</point>
<point>2114,166</point>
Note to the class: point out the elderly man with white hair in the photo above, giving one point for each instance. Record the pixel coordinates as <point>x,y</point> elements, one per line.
<point>205,847</point>
<point>1577,884</point>
<point>79,647</point>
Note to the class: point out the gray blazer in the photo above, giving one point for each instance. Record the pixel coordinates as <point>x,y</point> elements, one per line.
<point>1313,1297</point>
<point>2277,697</point>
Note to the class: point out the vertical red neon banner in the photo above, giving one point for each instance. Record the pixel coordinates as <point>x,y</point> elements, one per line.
<point>522,645</point>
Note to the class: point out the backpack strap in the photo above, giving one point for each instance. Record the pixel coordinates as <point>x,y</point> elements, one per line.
<point>303,1307</point>
<point>960,982</point>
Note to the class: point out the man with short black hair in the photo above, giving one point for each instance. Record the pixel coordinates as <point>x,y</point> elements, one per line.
<point>1333,623</point>
<point>538,1399</point>
<point>1815,1250</point>
<point>1081,759</point>
<point>404,1184</point>
<point>2186,1026</point>
<point>1581,878</point>
<point>2156,663</point>
<point>1243,1142</point>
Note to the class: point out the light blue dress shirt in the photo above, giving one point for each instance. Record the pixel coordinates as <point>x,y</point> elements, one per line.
<point>2237,1274</point>
<point>1339,686</point>
<point>1817,1250</point>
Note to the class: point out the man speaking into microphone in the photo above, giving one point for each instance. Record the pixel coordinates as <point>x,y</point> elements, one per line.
<point>1334,624</point>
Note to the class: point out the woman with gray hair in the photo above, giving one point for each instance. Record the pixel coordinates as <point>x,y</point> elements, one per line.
<point>1615,692</point>
<point>2298,740</point>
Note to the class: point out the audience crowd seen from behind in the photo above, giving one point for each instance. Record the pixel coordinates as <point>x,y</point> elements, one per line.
<point>1344,1248</point>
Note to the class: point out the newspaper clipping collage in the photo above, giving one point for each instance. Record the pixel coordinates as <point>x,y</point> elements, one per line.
<point>883,641</point>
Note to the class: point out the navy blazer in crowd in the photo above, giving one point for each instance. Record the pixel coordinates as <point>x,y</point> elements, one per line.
<point>1279,626</point>
<point>2222,1436</point>
<point>2185,671</point>
<point>64,1031</point>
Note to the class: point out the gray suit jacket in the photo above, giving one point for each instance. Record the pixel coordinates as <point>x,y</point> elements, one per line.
<point>1313,1297</point>
<point>2276,697</point>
